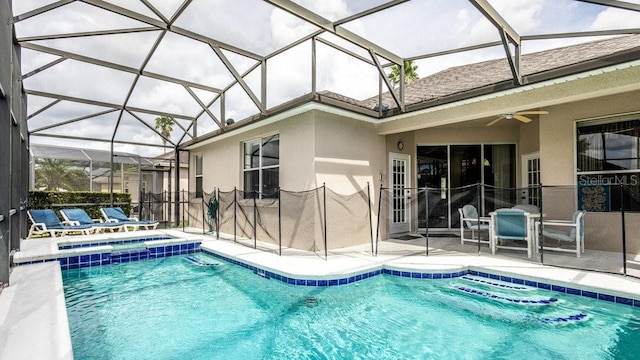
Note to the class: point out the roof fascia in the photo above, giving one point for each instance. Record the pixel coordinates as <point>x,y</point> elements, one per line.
<point>600,82</point>
<point>297,106</point>
<point>586,66</point>
<point>328,104</point>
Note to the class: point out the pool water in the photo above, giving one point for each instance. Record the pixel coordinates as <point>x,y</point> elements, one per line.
<point>169,308</point>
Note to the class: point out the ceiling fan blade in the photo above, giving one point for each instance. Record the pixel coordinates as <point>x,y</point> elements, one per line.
<point>533,112</point>
<point>494,121</point>
<point>524,119</point>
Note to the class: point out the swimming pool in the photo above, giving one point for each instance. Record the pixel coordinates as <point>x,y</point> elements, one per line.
<point>171,308</point>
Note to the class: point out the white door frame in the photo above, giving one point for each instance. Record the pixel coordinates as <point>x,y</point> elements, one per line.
<point>402,221</point>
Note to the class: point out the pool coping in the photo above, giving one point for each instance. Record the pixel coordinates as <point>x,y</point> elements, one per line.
<point>34,324</point>
<point>48,249</point>
<point>33,315</point>
<point>605,287</point>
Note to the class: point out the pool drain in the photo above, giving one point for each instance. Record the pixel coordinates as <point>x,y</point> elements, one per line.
<point>311,302</point>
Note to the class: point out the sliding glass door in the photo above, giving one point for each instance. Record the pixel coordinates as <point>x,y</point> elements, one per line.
<point>433,173</point>
<point>450,171</point>
<point>466,170</point>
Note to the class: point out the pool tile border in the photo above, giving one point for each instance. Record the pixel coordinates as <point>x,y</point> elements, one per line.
<point>115,257</point>
<point>429,275</point>
<point>78,245</point>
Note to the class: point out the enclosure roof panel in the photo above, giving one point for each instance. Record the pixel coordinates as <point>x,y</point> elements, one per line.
<point>90,155</point>
<point>202,63</point>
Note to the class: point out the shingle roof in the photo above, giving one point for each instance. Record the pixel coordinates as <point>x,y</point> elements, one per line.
<point>463,78</point>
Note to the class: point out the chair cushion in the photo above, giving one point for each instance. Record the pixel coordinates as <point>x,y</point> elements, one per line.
<point>78,215</point>
<point>47,217</point>
<point>116,213</point>
<point>559,235</point>
<point>511,224</point>
<point>470,212</point>
<point>531,209</point>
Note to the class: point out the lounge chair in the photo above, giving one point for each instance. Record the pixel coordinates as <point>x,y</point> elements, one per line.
<point>508,226</point>
<point>46,222</point>
<point>469,221</point>
<point>80,217</point>
<point>116,215</point>
<point>564,231</point>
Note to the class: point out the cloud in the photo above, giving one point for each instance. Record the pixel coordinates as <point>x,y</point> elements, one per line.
<point>411,28</point>
<point>616,19</point>
<point>79,79</point>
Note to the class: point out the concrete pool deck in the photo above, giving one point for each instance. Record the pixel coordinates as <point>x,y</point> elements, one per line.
<point>33,317</point>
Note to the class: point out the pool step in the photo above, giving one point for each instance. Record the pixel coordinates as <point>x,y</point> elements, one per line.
<point>565,319</point>
<point>496,283</point>
<point>505,299</point>
<point>199,262</point>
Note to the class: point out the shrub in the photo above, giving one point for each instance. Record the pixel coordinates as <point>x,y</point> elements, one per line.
<point>90,201</point>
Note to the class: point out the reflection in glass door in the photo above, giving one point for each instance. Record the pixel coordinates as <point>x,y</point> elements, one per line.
<point>449,172</point>
<point>433,173</point>
<point>466,169</point>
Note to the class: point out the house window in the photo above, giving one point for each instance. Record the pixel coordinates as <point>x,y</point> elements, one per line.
<point>199,176</point>
<point>261,168</point>
<point>608,157</point>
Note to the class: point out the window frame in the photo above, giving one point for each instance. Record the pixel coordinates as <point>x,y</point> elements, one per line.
<point>198,175</point>
<point>606,182</point>
<point>247,164</point>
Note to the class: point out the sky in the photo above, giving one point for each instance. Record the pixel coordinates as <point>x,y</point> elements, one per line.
<point>412,29</point>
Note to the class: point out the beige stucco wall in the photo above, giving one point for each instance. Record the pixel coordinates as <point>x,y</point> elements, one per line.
<point>319,147</point>
<point>529,137</point>
<point>558,167</point>
<point>349,153</point>
<point>468,135</point>
<point>222,160</point>
<point>316,148</point>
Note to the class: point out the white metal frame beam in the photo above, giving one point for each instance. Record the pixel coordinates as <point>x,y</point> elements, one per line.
<point>510,40</point>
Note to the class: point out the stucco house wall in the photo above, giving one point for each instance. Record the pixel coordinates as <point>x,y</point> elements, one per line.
<point>603,231</point>
<point>316,148</point>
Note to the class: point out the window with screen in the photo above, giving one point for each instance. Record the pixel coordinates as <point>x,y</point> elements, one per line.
<point>608,164</point>
<point>261,168</point>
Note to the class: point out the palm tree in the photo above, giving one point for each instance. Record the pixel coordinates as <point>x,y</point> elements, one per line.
<point>55,174</point>
<point>164,124</point>
<point>410,73</point>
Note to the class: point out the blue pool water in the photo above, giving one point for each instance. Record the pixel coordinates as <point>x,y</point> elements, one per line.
<point>170,308</point>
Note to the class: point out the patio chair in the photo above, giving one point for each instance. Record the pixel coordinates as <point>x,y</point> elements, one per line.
<point>117,215</point>
<point>564,231</point>
<point>509,226</point>
<point>46,222</point>
<point>469,221</point>
<point>80,217</point>
<point>531,209</point>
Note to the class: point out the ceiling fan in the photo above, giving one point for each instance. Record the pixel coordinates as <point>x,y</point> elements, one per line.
<point>519,115</point>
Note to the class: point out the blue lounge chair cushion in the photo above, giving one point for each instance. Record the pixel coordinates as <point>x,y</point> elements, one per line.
<point>116,213</point>
<point>80,216</point>
<point>49,218</point>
